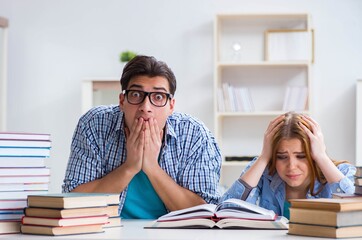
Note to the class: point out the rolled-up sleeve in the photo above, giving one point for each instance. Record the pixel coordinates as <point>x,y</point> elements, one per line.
<point>235,191</point>
<point>346,184</point>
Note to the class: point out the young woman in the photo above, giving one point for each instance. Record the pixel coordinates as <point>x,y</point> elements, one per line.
<point>293,164</point>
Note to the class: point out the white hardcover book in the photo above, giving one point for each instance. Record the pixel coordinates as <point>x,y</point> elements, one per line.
<point>24,171</point>
<point>22,162</point>
<point>24,152</point>
<point>248,105</point>
<point>239,100</point>
<point>250,99</point>
<point>225,89</point>
<point>11,214</point>
<point>23,187</point>
<point>13,204</point>
<point>232,98</point>
<point>19,194</point>
<point>24,136</point>
<point>25,179</point>
<point>25,143</point>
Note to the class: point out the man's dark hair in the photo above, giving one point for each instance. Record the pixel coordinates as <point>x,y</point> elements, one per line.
<point>147,66</point>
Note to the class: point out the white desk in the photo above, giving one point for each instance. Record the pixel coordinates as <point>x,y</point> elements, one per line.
<point>134,229</point>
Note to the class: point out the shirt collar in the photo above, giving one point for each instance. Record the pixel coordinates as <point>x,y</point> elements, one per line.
<point>170,131</point>
<point>275,180</point>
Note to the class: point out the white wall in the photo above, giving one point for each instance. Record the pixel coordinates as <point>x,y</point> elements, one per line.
<point>54,44</point>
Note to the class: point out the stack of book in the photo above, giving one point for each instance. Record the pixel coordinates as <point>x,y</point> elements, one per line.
<point>332,218</point>
<point>358,181</point>
<point>112,211</point>
<point>22,172</point>
<point>357,184</point>
<point>68,213</point>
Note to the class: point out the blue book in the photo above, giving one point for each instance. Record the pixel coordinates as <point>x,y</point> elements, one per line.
<point>24,152</point>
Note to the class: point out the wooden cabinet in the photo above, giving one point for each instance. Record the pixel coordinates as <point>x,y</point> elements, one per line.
<point>243,42</point>
<point>3,71</point>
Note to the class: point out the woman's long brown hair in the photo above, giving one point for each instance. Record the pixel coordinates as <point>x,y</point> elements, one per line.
<point>292,130</point>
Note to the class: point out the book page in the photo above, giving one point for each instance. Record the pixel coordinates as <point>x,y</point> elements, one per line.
<point>186,223</point>
<point>279,223</point>
<point>231,208</point>
<point>200,211</point>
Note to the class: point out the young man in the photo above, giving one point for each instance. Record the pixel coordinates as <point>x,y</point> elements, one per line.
<point>157,160</point>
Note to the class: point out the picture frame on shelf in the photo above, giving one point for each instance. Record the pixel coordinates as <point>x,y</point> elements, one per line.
<point>289,45</point>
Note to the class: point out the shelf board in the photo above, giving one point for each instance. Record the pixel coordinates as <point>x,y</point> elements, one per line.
<point>235,163</point>
<point>288,16</point>
<point>264,64</point>
<point>256,113</point>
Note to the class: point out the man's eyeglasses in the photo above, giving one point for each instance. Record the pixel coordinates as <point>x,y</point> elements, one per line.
<point>158,99</point>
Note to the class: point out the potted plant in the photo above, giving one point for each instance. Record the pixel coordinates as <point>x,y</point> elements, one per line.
<point>126,56</point>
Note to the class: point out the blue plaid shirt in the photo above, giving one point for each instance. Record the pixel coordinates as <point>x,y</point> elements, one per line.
<point>190,155</point>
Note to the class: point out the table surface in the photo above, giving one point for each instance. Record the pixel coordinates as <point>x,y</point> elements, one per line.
<point>134,229</point>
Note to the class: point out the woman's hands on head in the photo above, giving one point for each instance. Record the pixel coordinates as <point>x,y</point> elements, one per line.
<point>273,127</point>
<point>314,132</point>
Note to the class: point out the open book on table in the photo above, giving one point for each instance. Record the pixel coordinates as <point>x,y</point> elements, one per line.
<point>232,213</point>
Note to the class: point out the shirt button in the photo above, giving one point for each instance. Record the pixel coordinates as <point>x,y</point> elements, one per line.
<point>338,190</point>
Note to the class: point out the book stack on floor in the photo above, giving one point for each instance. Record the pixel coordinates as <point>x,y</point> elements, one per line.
<point>332,218</point>
<point>232,213</point>
<point>68,213</point>
<point>22,172</point>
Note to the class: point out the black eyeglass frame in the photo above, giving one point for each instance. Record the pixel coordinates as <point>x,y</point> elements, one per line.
<point>168,96</point>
